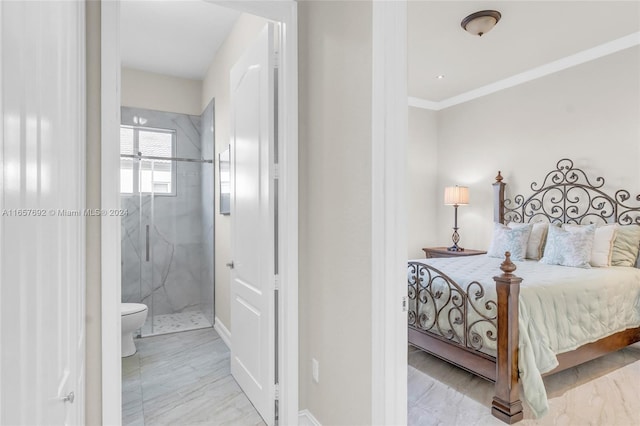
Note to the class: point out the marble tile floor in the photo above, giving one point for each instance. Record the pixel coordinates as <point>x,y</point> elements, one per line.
<point>603,392</point>
<point>171,323</point>
<point>183,379</point>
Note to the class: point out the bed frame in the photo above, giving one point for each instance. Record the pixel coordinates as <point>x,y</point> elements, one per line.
<point>565,195</point>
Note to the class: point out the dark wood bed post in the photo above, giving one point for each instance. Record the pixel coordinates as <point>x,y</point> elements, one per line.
<point>506,404</point>
<point>498,199</point>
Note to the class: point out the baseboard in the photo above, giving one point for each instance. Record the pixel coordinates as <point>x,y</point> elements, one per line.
<point>223,331</point>
<point>305,418</point>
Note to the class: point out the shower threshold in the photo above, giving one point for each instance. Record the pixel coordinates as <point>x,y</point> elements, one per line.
<point>173,323</point>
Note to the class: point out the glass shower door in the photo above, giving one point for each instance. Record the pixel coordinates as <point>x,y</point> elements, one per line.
<point>167,244</point>
<point>181,246</point>
<point>145,219</point>
<point>136,255</point>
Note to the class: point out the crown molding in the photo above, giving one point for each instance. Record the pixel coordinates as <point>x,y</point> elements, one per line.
<point>552,67</point>
<point>423,103</point>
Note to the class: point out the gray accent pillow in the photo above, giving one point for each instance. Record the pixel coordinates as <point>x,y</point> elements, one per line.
<point>512,240</point>
<point>569,247</point>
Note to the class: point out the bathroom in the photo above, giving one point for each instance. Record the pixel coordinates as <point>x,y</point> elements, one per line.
<point>176,58</point>
<point>167,235</point>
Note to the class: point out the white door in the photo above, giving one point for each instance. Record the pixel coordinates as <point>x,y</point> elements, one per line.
<point>252,224</point>
<point>41,225</point>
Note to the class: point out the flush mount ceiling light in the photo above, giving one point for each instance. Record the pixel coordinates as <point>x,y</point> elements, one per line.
<point>482,22</point>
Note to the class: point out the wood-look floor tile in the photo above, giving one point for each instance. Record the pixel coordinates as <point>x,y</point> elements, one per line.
<point>604,391</point>
<point>184,379</point>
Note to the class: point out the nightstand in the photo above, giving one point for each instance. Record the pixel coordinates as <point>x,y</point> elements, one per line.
<point>431,252</point>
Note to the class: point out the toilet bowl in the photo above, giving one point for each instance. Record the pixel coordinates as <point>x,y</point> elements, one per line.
<point>133,316</point>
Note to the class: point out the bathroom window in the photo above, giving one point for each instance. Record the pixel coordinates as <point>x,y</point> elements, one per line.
<point>147,175</point>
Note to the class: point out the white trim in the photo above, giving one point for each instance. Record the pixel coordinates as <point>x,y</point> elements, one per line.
<point>110,199</point>
<point>288,215</point>
<point>81,301</point>
<point>285,12</point>
<point>388,215</point>
<point>532,74</point>
<point>2,171</point>
<point>423,103</point>
<point>222,331</point>
<point>305,418</point>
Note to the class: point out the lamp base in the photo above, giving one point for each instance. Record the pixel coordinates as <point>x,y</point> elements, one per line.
<point>455,248</point>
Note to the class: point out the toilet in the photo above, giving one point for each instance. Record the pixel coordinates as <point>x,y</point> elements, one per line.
<point>133,316</point>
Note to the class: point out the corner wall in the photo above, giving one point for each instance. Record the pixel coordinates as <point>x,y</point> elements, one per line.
<point>335,85</point>
<point>216,85</point>
<point>423,192</point>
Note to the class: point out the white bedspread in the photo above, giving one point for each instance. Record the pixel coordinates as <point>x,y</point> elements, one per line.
<point>561,309</point>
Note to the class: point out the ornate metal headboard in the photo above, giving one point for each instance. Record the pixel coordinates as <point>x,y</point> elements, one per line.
<point>566,195</point>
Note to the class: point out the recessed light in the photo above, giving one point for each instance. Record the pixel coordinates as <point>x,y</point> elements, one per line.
<point>440,77</point>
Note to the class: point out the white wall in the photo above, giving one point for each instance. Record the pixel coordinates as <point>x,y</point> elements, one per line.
<point>335,44</point>
<point>588,113</point>
<point>216,86</point>
<point>423,189</point>
<point>142,89</point>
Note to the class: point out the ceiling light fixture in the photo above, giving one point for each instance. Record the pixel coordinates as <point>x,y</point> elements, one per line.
<point>482,22</point>
<point>440,77</point>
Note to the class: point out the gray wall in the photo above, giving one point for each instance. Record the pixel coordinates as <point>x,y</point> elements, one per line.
<point>176,278</point>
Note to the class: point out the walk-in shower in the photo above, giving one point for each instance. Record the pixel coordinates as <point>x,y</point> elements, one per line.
<point>166,187</point>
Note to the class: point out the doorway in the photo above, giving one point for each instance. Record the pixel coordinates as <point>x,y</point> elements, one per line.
<point>284,13</point>
<point>166,186</point>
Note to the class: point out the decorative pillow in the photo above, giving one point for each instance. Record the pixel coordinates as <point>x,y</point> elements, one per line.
<point>625,246</point>
<point>536,238</point>
<point>511,240</point>
<point>569,247</point>
<point>602,244</point>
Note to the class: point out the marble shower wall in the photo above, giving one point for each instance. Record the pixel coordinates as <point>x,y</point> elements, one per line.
<point>208,182</point>
<point>175,277</point>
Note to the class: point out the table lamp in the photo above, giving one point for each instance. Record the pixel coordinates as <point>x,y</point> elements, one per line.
<point>456,196</point>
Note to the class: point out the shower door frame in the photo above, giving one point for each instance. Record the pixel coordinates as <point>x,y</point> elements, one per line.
<point>284,12</point>
<point>144,237</point>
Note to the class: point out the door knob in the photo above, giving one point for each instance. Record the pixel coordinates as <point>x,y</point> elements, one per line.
<point>69,398</point>
<point>230,265</point>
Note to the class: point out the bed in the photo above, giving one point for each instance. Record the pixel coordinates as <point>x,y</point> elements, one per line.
<point>477,313</point>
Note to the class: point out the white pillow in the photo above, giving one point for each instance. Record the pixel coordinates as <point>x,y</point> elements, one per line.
<point>625,246</point>
<point>569,247</point>
<point>511,240</point>
<point>602,244</point>
<point>536,238</point>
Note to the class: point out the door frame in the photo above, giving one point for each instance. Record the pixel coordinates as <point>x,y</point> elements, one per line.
<point>286,13</point>
<point>389,211</point>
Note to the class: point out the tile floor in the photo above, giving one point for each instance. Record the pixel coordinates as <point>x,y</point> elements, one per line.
<point>602,392</point>
<point>183,379</point>
<point>171,323</point>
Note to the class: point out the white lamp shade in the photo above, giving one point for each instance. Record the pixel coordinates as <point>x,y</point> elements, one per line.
<point>456,195</point>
